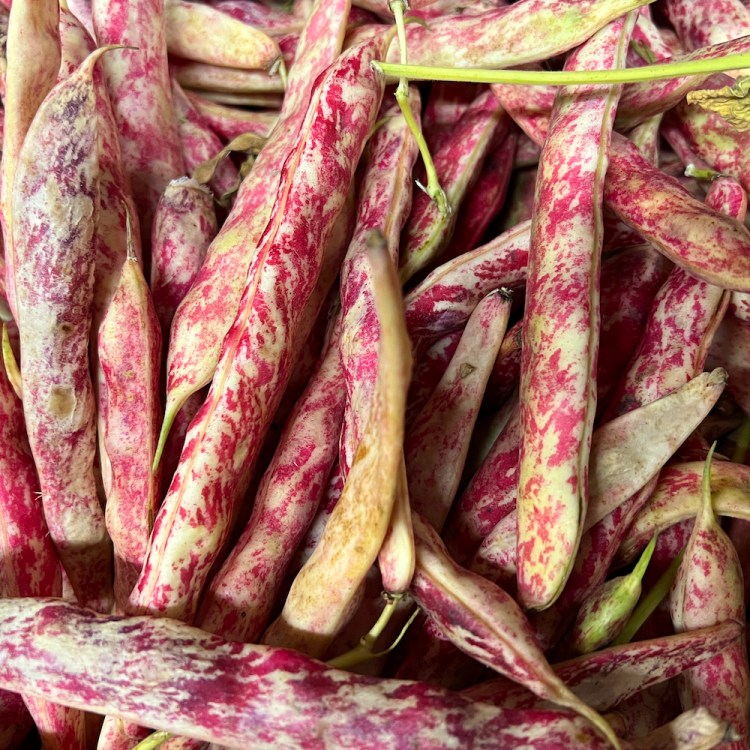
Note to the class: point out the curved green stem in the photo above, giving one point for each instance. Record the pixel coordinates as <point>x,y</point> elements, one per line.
<point>432,188</point>
<point>153,741</point>
<point>566,77</point>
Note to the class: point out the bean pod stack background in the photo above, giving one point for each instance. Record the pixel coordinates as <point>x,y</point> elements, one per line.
<point>309,439</point>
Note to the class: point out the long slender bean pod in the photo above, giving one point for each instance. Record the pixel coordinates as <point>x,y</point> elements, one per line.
<point>322,593</point>
<point>561,325</point>
<point>58,175</point>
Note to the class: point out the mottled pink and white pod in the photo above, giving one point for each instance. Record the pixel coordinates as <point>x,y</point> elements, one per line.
<point>457,164</point>
<point>699,23</point>
<point>508,36</point>
<point>490,495</point>
<point>130,358</point>
<point>438,440</point>
<point>214,78</point>
<point>33,62</point>
<point>628,451</point>
<point>200,143</point>
<point>484,622</point>
<point>223,441</point>
<point>561,324</point>
<point>694,729</point>
<point>677,498</point>
<point>229,122</point>
<point>109,664</point>
<point>613,675</point>
<point>230,42</point>
<point>709,590</point>
<point>321,596</point>
<point>138,82</point>
<point>273,21</point>
<point>211,305</point>
<point>184,225</point>
<point>445,106</point>
<point>384,204</point>
<point>445,299</point>
<point>75,42</point>
<point>238,600</point>
<point>55,202</point>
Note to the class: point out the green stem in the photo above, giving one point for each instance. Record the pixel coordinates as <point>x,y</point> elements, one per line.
<point>153,741</point>
<point>706,175</point>
<point>640,568</point>
<point>566,77</point>
<point>363,650</point>
<point>743,443</point>
<point>433,189</point>
<point>649,603</point>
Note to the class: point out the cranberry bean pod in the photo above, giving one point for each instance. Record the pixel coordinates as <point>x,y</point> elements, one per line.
<point>138,82</point>
<point>33,62</point>
<point>224,438</point>
<point>109,665</point>
<point>202,76</point>
<point>57,167</point>
<point>130,358</point>
<point>485,199</point>
<point>696,728</point>
<point>444,301</point>
<point>273,21</point>
<point>507,369</point>
<point>323,591</point>
<point>730,348</point>
<point>490,495</point>
<point>507,36</point>
<point>209,308</point>
<point>445,106</point>
<point>229,122</point>
<point>709,590</point>
<point>239,598</point>
<point>428,230</point>
<point>628,451</point>
<point>386,198</point>
<point>605,678</point>
<point>484,622</point>
<point>705,22</point>
<point>438,440</point>
<point>560,332</point>
<point>184,225</point>
<point>200,143</point>
<point>231,43</point>
<point>75,43</point>
<point>677,497</point>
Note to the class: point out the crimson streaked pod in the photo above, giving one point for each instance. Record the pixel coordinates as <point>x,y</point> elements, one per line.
<point>55,202</point>
<point>203,76</point>
<point>677,498</point>
<point>273,21</point>
<point>608,677</point>
<point>207,312</point>
<point>138,83</point>
<point>486,623</point>
<point>384,205</point>
<point>438,440</point>
<point>507,36</point>
<point>445,299</point>
<point>709,590</point>
<point>490,495</point>
<point>33,62</point>
<point>699,23</point>
<point>231,43</point>
<point>257,354</point>
<point>239,597</point>
<point>184,225</point>
<point>608,502</point>
<point>230,122</point>
<point>75,42</point>
<point>200,143</point>
<point>109,663</point>
<point>445,105</point>
<point>130,357</point>
<point>322,594</point>
<point>560,334</point>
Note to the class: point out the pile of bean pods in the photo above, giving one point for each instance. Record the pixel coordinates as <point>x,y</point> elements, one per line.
<point>360,392</point>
